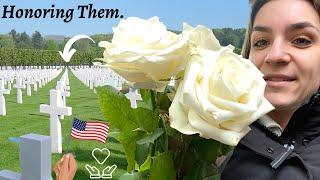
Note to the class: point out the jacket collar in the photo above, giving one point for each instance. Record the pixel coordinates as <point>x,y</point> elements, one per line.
<point>270,124</point>
<point>304,123</point>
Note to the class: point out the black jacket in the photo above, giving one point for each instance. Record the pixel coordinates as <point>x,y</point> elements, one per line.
<point>262,155</point>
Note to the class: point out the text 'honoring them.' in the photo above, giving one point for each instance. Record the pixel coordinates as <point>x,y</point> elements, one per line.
<point>67,15</point>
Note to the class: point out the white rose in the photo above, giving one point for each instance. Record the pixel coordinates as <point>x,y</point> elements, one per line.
<point>198,37</point>
<point>201,37</point>
<point>145,53</point>
<point>220,96</point>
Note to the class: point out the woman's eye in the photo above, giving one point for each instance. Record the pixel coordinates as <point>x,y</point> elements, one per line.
<point>261,43</point>
<point>301,42</point>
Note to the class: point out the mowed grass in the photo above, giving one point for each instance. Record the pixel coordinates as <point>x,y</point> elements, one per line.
<point>26,118</point>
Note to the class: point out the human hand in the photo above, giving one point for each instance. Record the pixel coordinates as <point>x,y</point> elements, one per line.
<point>66,167</point>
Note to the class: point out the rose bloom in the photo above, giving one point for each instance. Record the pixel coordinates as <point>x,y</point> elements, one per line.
<point>145,53</point>
<point>200,37</point>
<point>220,96</point>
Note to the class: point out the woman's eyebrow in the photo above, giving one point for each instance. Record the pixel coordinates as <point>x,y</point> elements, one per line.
<point>291,27</point>
<point>261,28</point>
<point>301,25</point>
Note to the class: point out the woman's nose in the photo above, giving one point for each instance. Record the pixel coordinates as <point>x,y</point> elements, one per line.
<point>278,53</point>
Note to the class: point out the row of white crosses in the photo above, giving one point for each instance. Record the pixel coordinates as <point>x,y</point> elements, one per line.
<point>57,109</point>
<point>23,80</point>
<point>96,76</point>
<point>35,158</point>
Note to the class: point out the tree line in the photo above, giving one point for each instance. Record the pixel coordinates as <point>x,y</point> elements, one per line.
<point>22,49</point>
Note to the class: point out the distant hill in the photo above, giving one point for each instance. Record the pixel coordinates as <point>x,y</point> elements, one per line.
<point>57,38</point>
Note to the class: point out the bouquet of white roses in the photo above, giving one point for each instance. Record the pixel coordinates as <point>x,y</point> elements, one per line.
<point>179,130</point>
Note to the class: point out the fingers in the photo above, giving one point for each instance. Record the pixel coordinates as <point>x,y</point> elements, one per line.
<point>66,167</point>
<point>57,167</point>
<point>72,161</point>
<point>56,171</point>
<point>65,163</point>
<point>72,165</point>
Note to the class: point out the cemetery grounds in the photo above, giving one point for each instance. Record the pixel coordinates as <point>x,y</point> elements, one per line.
<point>26,118</point>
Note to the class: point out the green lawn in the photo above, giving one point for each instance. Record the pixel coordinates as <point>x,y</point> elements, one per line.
<point>25,118</point>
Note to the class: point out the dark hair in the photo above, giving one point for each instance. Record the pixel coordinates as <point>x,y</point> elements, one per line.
<point>256,6</point>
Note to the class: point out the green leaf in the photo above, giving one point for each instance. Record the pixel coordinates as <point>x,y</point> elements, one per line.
<point>225,149</point>
<point>128,141</point>
<point>143,145</point>
<point>134,176</point>
<point>146,165</point>
<point>142,152</point>
<point>152,137</point>
<point>206,149</point>
<point>200,158</point>
<point>164,101</point>
<point>117,110</point>
<point>115,135</point>
<point>147,99</point>
<point>162,167</point>
<point>202,170</point>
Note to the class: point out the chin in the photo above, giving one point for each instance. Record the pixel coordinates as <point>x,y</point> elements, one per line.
<point>281,102</point>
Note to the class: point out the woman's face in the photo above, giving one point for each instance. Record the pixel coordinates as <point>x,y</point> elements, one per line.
<point>285,46</point>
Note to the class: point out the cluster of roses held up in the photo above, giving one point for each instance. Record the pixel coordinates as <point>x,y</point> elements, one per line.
<point>215,96</point>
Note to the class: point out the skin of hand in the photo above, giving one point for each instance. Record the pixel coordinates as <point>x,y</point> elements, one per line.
<point>66,167</point>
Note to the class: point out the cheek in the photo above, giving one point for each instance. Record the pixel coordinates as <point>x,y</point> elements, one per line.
<point>257,59</point>
<point>309,69</point>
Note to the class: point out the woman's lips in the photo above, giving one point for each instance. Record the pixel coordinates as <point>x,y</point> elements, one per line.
<point>278,80</point>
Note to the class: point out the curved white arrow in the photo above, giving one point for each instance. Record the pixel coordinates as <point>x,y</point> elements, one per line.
<point>67,53</point>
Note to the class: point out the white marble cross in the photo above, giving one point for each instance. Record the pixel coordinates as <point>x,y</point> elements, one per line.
<point>40,83</point>
<point>2,99</point>
<point>133,96</point>
<point>91,83</point>
<point>28,83</point>
<point>64,93</point>
<point>19,85</point>
<point>35,85</point>
<point>9,81</point>
<point>9,85</point>
<point>55,109</point>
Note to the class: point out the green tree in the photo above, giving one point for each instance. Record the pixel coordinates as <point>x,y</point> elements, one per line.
<point>37,40</point>
<point>13,33</point>
<point>231,36</point>
<point>24,41</point>
<point>63,43</point>
<point>102,37</point>
<point>82,44</point>
<point>51,45</point>
<point>6,41</point>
